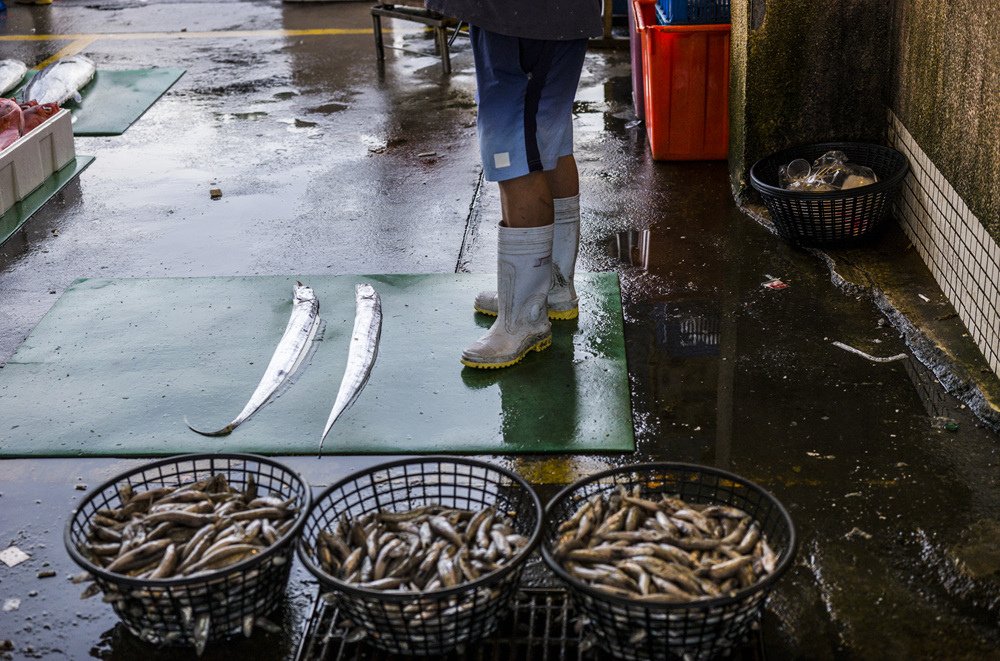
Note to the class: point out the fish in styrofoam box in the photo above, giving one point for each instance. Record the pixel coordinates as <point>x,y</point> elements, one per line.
<point>11,122</point>
<point>34,156</point>
<point>11,74</point>
<point>61,81</point>
<point>36,113</point>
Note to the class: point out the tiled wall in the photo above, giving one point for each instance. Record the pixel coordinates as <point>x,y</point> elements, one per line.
<point>963,257</point>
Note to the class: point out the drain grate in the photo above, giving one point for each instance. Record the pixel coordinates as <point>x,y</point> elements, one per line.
<point>541,626</point>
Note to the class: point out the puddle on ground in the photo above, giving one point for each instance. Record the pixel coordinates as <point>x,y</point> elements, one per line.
<point>328,108</point>
<point>581,107</point>
<point>239,116</point>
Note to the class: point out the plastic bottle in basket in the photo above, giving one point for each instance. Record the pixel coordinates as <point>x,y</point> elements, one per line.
<point>830,172</point>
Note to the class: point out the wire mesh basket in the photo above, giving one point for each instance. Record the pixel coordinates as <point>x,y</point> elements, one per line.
<point>701,629</point>
<point>193,610</point>
<point>437,621</point>
<point>835,217</point>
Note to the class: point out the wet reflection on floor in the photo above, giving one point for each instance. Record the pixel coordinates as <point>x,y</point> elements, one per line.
<point>897,515</point>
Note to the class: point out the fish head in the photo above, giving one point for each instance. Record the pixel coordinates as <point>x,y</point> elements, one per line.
<point>36,114</point>
<point>47,110</point>
<point>11,116</point>
<point>302,293</point>
<point>8,106</point>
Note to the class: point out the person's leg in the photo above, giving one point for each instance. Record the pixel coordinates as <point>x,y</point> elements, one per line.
<point>564,180</point>
<point>557,76</point>
<point>526,201</point>
<point>507,98</point>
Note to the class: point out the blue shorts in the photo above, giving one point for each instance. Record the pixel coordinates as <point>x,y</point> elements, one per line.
<point>525,95</point>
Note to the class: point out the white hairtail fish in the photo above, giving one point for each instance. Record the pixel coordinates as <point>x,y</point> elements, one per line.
<point>361,354</point>
<point>61,81</point>
<point>11,74</point>
<point>291,353</point>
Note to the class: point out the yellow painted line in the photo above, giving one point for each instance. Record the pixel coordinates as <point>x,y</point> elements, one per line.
<point>72,49</point>
<point>220,34</point>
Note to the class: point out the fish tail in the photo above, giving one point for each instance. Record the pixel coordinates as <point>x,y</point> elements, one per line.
<point>225,431</point>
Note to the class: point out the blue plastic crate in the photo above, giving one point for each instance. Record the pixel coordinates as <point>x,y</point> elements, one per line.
<point>674,12</point>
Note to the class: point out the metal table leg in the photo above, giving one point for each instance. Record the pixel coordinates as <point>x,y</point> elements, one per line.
<point>379,45</point>
<point>442,39</point>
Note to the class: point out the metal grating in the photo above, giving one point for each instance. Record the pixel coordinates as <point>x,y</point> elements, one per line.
<point>541,626</point>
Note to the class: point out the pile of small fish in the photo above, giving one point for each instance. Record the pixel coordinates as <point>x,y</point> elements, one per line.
<point>186,530</point>
<point>661,549</point>
<point>418,550</point>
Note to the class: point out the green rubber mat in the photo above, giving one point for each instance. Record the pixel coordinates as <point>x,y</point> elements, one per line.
<point>18,214</point>
<point>116,365</point>
<point>114,100</point>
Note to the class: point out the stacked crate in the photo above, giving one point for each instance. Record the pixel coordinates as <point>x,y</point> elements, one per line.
<point>685,77</point>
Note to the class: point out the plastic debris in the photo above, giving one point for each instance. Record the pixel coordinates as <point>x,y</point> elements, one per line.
<point>634,123</point>
<point>13,556</point>
<point>874,359</point>
<point>774,283</point>
<point>11,604</point>
<point>426,154</point>
<point>944,422</point>
<point>857,532</point>
<point>830,172</point>
<point>924,298</point>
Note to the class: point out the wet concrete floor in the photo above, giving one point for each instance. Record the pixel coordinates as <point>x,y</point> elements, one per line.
<point>318,156</point>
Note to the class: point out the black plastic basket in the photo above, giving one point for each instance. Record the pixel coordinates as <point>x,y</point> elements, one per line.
<point>696,630</point>
<point>438,621</point>
<point>835,217</point>
<point>165,611</point>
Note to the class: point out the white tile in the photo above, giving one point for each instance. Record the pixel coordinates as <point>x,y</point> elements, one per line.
<point>960,253</point>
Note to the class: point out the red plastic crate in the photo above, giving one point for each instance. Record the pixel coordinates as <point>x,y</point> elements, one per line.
<point>685,70</point>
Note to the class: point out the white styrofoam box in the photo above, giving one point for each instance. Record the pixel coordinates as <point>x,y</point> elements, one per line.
<point>34,157</point>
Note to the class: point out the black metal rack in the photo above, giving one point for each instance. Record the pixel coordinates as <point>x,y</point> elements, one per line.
<point>541,625</point>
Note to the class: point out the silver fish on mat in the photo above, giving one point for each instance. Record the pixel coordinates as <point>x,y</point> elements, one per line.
<point>61,81</point>
<point>293,348</point>
<point>362,353</point>
<point>11,74</point>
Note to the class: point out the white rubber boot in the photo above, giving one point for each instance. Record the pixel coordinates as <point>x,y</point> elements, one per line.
<point>563,301</point>
<point>524,275</point>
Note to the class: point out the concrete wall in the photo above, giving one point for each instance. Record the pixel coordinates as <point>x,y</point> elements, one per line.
<point>805,71</point>
<point>944,111</point>
<point>945,89</point>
